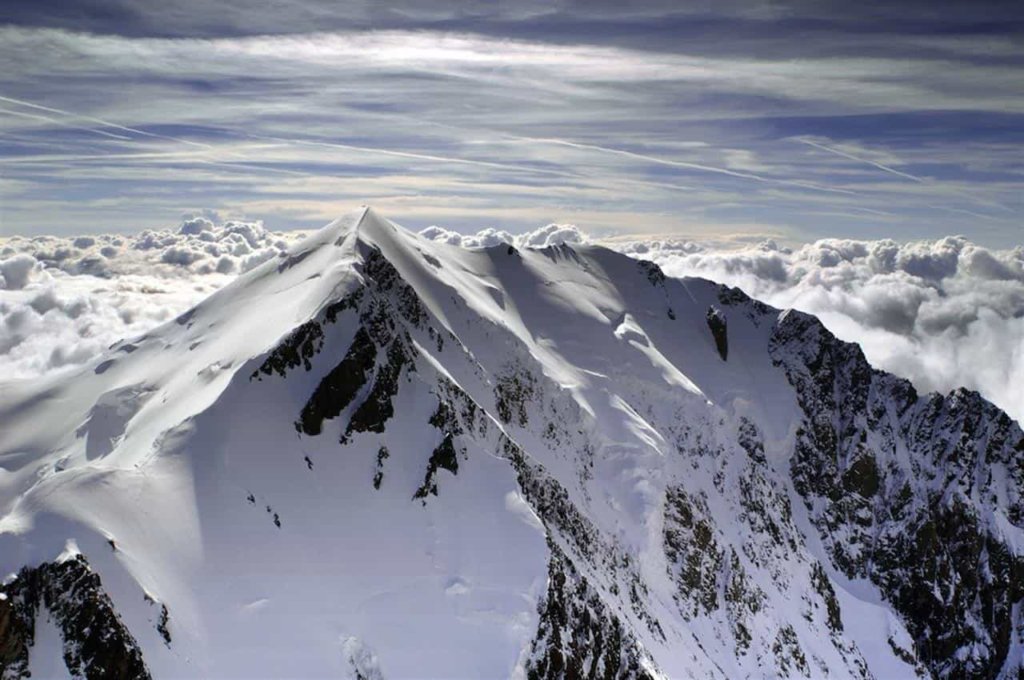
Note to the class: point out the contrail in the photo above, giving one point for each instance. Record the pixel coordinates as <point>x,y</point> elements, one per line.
<point>70,158</point>
<point>107,123</point>
<point>21,114</point>
<point>452,159</point>
<point>468,161</point>
<point>915,178</point>
<point>253,166</point>
<point>144,133</point>
<point>872,211</point>
<point>349,147</point>
<point>146,155</point>
<point>408,154</point>
<point>684,164</point>
<point>443,159</point>
<point>859,159</point>
<point>964,211</point>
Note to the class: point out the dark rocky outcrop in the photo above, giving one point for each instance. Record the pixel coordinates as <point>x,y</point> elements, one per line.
<point>377,408</point>
<point>296,350</point>
<point>340,386</point>
<point>513,391</point>
<point>578,636</point>
<point>18,605</point>
<point>693,553</point>
<point>97,645</point>
<point>382,304</point>
<point>444,457</point>
<point>378,475</point>
<point>719,331</point>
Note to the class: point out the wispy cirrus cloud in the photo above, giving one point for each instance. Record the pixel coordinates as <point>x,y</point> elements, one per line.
<point>525,110</point>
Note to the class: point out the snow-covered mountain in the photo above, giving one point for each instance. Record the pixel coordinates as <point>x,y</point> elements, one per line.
<point>385,457</point>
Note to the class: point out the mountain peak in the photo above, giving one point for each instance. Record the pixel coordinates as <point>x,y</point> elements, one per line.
<point>362,219</point>
<point>378,452</point>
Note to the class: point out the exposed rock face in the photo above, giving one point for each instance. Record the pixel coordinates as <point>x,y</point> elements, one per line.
<point>17,629</point>
<point>719,331</point>
<point>340,386</point>
<point>907,491</point>
<point>373,413</point>
<point>97,646</point>
<point>695,558</point>
<point>303,344</point>
<point>578,637</point>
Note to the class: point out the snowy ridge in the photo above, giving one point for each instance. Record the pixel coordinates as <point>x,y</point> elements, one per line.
<point>384,457</point>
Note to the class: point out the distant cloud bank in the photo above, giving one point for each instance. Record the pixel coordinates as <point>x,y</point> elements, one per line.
<point>64,300</point>
<point>942,313</point>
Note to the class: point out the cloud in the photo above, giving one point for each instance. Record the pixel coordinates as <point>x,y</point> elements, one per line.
<point>197,246</point>
<point>552,235</point>
<point>195,225</point>
<point>65,300</point>
<point>549,235</point>
<point>16,271</point>
<point>63,320</point>
<point>695,133</point>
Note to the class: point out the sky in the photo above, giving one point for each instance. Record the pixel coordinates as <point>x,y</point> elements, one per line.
<point>726,120</point>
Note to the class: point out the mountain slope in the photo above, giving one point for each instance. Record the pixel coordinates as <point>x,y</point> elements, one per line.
<point>385,457</point>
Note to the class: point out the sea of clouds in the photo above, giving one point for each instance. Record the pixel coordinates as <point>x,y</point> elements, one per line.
<point>943,313</point>
<point>64,300</point>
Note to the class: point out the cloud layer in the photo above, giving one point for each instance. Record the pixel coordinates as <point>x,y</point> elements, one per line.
<point>942,313</point>
<point>64,300</point>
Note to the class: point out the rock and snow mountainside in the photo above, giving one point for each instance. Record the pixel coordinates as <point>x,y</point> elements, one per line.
<point>384,457</point>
